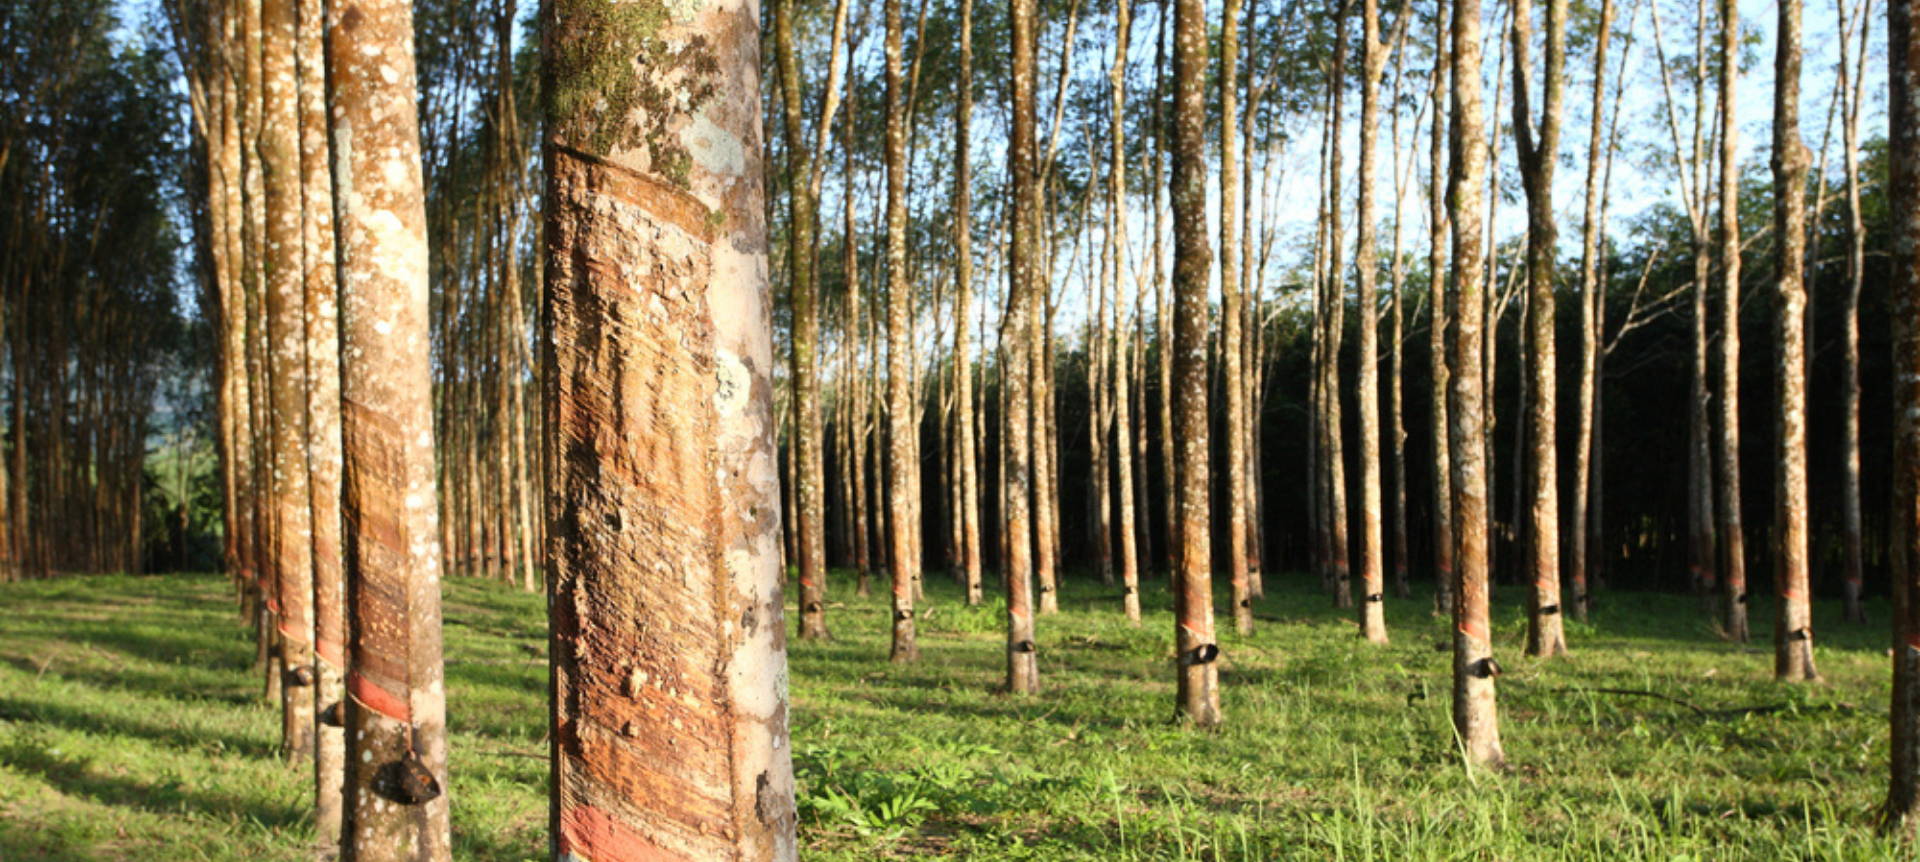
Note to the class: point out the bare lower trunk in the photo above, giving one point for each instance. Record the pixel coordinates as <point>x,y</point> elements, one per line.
<point>1732,532</point>
<point>669,717</point>
<point>1901,813</point>
<point>1195,652</point>
<point>396,807</point>
<point>1230,318</point>
<point>1793,625</point>
<point>323,432</point>
<point>1023,669</point>
<point>1372,574</point>
<point>1475,717</point>
<point>286,324</point>
<point>1539,149</point>
<point>1437,296</point>
<point>1851,82</point>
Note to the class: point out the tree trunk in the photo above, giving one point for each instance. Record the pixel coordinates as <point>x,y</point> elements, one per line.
<point>1333,308</point>
<point>1475,718</point>
<point>1231,317</point>
<point>903,474</point>
<point>323,431</point>
<point>1851,83</point>
<point>1538,150</point>
<point>1732,532</point>
<point>1372,575</point>
<point>1592,298</point>
<point>1023,669</point>
<point>1437,294</point>
<point>810,487</point>
<point>967,469</point>
<point>1793,626</point>
<point>1195,652</point>
<point>1117,236</point>
<point>286,324</point>
<point>669,717</point>
<point>396,807</point>
<point>1901,813</point>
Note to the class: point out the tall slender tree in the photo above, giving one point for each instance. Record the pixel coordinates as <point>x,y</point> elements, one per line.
<point>1793,624</point>
<point>1901,813</point>
<point>1732,532</point>
<point>286,326</point>
<point>1539,149</point>
<point>903,474</point>
<point>1475,717</point>
<point>810,519</point>
<point>1195,650</point>
<point>1023,669</point>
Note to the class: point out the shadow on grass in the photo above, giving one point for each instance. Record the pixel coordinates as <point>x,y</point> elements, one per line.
<point>75,777</point>
<point>83,721</point>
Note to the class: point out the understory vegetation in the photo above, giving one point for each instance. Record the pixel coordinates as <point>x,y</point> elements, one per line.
<point>131,727</point>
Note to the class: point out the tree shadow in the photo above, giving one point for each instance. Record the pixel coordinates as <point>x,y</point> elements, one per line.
<point>75,777</point>
<point>70,718</point>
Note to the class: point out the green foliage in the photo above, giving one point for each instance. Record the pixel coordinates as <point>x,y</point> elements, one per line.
<point>130,727</point>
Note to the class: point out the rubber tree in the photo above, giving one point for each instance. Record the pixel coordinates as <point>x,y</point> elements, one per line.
<point>669,715</point>
<point>396,806</point>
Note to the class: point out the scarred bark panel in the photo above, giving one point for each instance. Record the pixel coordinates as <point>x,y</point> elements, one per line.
<point>669,673</point>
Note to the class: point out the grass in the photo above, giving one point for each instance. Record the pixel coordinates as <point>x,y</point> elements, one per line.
<point>131,728</point>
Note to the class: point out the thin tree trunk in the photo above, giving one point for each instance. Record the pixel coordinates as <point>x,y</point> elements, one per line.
<point>1851,84</point>
<point>1475,718</point>
<point>810,517</point>
<point>1372,574</point>
<point>1196,653</point>
<point>903,475</point>
<point>969,513</point>
<point>1231,317</point>
<point>1122,340</point>
<point>396,807</point>
<point>1539,149</point>
<point>1732,533</point>
<point>1023,669</point>
<point>1437,296</point>
<point>1793,625</point>
<point>323,431</point>
<point>1333,326</point>
<point>286,323</point>
<point>1592,292</point>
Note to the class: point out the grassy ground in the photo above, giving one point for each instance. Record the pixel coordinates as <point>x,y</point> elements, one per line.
<point>130,728</point>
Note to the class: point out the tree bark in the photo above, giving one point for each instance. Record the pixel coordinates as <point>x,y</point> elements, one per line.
<point>323,431</point>
<point>1372,575</point>
<point>1437,295</point>
<point>286,327</point>
<point>396,807</point>
<point>669,716</point>
<point>967,469</point>
<point>1117,233</point>
<point>1851,83</point>
<point>1592,297</point>
<point>810,518</point>
<point>1901,813</point>
<point>1475,716</point>
<point>1538,150</point>
<point>903,474</point>
<point>1793,625</point>
<point>1732,533</point>
<point>1231,317</point>
<point>1195,650</point>
<point>1023,669</point>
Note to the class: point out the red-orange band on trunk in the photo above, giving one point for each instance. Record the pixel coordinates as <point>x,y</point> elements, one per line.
<point>378,699</point>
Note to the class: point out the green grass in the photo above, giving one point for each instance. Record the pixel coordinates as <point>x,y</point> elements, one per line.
<point>131,728</point>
